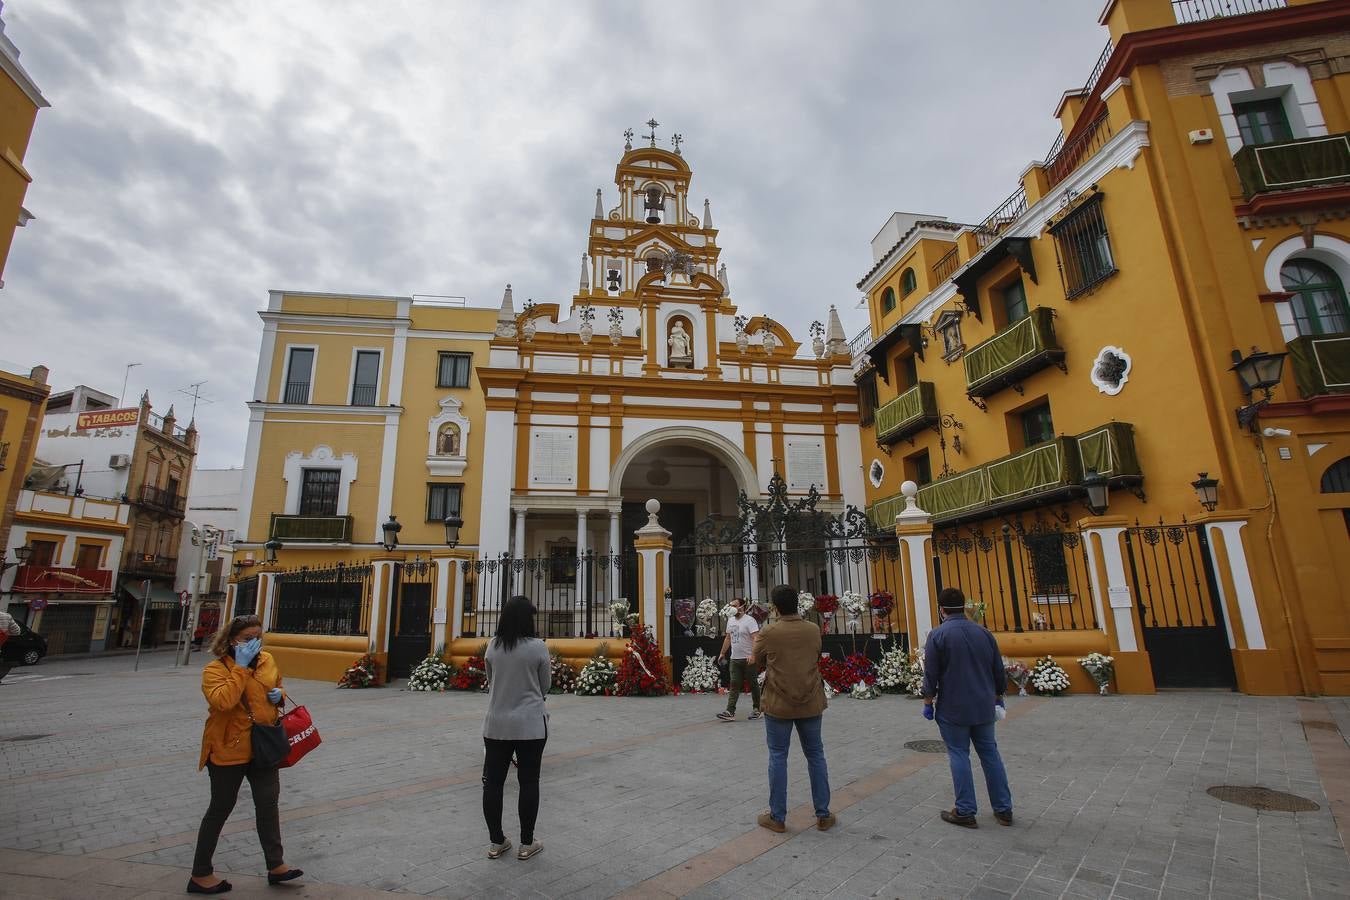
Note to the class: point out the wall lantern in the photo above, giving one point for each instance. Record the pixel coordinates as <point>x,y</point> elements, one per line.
<point>391,530</point>
<point>1258,371</point>
<point>23,553</point>
<point>1097,491</point>
<point>452,525</point>
<point>270,549</point>
<point>1207,491</point>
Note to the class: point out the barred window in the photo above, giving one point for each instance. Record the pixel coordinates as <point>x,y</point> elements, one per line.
<point>908,282</point>
<point>453,371</point>
<point>442,500</point>
<point>1083,248</point>
<point>888,300</point>
<point>319,492</point>
<point>867,398</point>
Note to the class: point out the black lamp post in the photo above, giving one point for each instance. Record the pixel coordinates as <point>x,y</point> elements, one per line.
<point>1258,371</point>
<point>21,553</point>
<point>238,566</point>
<point>270,549</point>
<point>1098,491</point>
<point>452,525</point>
<point>1207,491</point>
<point>391,530</point>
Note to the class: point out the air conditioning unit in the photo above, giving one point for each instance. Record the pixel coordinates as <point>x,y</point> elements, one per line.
<point>119,461</point>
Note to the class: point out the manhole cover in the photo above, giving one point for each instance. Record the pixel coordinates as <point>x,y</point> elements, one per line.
<point>1263,799</point>
<point>26,737</point>
<point>926,746</point>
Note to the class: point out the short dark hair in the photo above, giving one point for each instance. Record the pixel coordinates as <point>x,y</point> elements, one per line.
<point>952,598</point>
<point>785,598</point>
<point>516,622</point>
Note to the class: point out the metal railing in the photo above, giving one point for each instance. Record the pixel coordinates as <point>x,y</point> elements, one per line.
<point>910,412</point>
<point>572,594</point>
<point>159,498</point>
<point>297,392</point>
<point>859,342</point>
<point>1097,70</point>
<point>946,265</point>
<point>141,563</point>
<point>1187,11</point>
<point>334,601</point>
<point>1079,150</point>
<point>363,395</point>
<point>311,528</point>
<point>1002,218</point>
<point>157,423</point>
<point>1291,165</point>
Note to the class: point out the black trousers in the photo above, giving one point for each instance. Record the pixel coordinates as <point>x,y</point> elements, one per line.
<point>265,784</point>
<point>496,764</point>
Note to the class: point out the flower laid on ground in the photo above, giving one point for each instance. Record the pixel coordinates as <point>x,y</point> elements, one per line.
<point>563,678</point>
<point>1048,678</point>
<point>842,674</point>
<point>805,603</point>
<point>700,674</point>
<point>882,602</point>
<point>431,674</point>
<point>622,613</point>
<point>642,671</point>
<point>853,605</point>
<point>1018,674</point>
<point>916,673</point>
<point>598,676</point>
<point>864,691</point>
<point>893,671</point>
<point>1101,667</point>
<point>472,676</point>
<point>361,674</point>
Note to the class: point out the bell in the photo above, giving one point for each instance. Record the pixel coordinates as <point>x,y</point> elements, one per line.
<point>654,205</point>
<point>612,276</point>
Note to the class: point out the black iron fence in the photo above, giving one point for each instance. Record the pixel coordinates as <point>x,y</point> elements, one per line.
<point>246,597</point>
<point>1200,10</point>
<point>572,593</point>
<point>1019,577</point>
<point>335,600</point>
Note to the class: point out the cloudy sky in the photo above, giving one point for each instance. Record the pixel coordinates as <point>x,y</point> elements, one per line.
<point>197,154</point>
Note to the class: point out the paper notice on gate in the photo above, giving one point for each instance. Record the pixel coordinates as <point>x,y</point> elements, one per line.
<point>438,617</point>
<point>1119,596</point>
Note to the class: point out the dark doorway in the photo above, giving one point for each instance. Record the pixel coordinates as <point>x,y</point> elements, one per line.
<point>410,618</point>
<point>677,518</point>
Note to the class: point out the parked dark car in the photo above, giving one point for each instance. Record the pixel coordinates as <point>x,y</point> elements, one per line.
<point>26,647</point>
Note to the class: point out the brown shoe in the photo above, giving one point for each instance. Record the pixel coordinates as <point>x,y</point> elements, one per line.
<point>951,816</point>
<point>769,822</point>
<point>1004,818</point>
<point>825,823</point>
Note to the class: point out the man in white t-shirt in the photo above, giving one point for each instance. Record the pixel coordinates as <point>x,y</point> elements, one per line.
<point>740,643</point>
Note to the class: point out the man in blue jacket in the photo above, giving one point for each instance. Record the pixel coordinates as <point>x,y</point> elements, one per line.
<point>963,676</point>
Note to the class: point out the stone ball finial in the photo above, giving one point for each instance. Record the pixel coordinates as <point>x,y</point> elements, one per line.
<point>910,490</point>
<point>653,506</point>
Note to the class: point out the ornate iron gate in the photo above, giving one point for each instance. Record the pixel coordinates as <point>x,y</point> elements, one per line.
<point>571,593</point>
<point>410,616</point>
<point>1027,577</point>
<point>334,600</point>
<point>1172,575</point>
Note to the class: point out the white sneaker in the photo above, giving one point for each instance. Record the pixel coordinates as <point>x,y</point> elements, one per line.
<point>528,850</point>
<point>496,850</point>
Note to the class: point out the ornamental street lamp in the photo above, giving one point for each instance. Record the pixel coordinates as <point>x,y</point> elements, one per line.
<point>1207,491</point>
<point>270,549</point>
<point>1097,491</point>
<point>452,525</point>
<point>21,553</point>
<point>1258,371</point>
<point>391,530</point>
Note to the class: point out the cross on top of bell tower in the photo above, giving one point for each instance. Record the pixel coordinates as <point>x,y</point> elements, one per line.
<point>652,124</point>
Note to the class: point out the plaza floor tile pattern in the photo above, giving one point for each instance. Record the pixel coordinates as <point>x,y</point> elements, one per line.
<point>656,798</point>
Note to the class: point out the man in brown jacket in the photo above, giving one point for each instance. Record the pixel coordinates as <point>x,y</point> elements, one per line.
<point>793,695</point>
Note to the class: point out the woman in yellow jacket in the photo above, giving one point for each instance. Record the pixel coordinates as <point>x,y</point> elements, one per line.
<point>240,674</point>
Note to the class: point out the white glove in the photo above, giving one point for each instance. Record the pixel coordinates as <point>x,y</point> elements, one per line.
<point>1000,712</point>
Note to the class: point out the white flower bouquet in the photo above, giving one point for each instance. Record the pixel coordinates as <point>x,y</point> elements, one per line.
<point>893,671</point>
<point>1101,667</point>
<point>700,674</point>
<point>622,612</point>
<point>706,615</point>
<point>597,677</point>
<point>864,691</point>
<point>916,673</point>
<point>853,604</point>
<point>805,603</point>
<point>431,674</point>
<point>1018,673</point>
<point>1047,677</point>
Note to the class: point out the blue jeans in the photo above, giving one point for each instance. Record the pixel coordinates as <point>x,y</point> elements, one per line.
<point>778,733</point>
<point>958,739</point>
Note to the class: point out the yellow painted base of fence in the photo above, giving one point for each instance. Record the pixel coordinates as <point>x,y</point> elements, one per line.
<point>574,651</point>
<point>1267,673</point>
<point>315,657</point>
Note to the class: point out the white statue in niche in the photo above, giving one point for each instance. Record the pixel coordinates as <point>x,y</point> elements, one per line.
<point>681,347</point>
<point>448,440</point>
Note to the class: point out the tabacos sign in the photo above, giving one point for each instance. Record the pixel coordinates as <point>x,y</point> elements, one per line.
<point>107,418</point>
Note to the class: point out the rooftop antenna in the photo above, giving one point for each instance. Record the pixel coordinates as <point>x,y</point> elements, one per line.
<point>120,396</point>
<point>196,394</point>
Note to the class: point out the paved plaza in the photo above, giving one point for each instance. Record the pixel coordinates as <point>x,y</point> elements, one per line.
<point>656,798</point>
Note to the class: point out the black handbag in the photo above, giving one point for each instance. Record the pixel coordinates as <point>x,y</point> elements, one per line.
<point>270,744</point>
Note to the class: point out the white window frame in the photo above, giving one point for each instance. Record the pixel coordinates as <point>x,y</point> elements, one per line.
<point>351,373</point>
<point>286,372</point>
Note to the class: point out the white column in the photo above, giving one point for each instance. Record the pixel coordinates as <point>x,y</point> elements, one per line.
<point>440,617</point>
<point>452,628</point>
<point>498,474</point>
<point>518,551</point>
<point>582,545</point>
<point>263,605</point>
<point>1242,583</point>
<point>1117,589</point>
<point>615,548</point>
<point>912,518</point>
<point>379,605</point>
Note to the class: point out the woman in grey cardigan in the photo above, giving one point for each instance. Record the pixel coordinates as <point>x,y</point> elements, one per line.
<point>519,673</point>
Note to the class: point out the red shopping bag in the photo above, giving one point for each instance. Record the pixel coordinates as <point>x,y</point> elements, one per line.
<point>301,733</point>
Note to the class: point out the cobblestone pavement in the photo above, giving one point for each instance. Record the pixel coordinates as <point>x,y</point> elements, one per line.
<point>656,798</point>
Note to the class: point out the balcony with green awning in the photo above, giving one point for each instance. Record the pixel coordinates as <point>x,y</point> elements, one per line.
<point>1047,473</point>
<point>1021,349</point>
<point>1293,165</point>
<point>1321,363</point>
<point>334,529</point>
<point>911,412</point>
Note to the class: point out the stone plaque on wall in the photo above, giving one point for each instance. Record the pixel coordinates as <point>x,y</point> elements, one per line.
<point>806,465</point>
<point>553,457</point>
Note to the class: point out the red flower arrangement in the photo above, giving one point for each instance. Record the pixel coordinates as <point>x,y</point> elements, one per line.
<point>363,673</point>
<point>642,673</point>
<point>472,676</point>
<point>882,602</point>
<point>827,603</point>
<point>842,674</point>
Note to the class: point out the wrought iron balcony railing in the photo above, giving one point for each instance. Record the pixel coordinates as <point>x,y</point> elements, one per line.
<point>1321,363</point>
<point>1188,11</point>
<point>946,265</point>
<point>1290,165</point>
<point>363,395</point>
<point>297,392</point>
<point>1025,347</point>
<point>909,413</point>
<point>141,563</point>
<point>162,500</point>
<point>336,529</point>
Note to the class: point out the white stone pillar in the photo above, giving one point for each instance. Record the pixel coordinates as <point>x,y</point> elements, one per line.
<point>518,551</point>
<point>440,616</point>
<point>615,550</point>
<point>456,623</point>
<point>583,543</point>
<point>264,601</point>
<point>1116,589</point>
<point>653,548</point>
<point>1245,599</point>
<point>914,529</point>
<point>381,598</point>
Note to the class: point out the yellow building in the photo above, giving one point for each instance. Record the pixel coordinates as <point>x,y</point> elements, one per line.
<point>20,100</point>
<point>21,400</point>
<point>1090,334</point>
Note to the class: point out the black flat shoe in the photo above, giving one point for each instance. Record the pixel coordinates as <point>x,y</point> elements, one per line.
<point>288,875</point>
<point>195,888</point>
